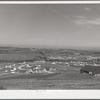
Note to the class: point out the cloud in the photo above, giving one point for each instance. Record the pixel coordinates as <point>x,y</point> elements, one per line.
<point>87,21</point>
<point>87,9</point>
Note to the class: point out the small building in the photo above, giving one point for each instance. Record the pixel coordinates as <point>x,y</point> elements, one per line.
<point>28,66</point>
<point>52,69</point>
<point>38,67</point>
<point>53,63</point>
<point>91,70</point>
<point>9,66</point>
<point>97,72</point>
<point>29,71</point>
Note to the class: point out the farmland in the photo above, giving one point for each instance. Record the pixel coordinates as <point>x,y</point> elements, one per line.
<point>31,68</point>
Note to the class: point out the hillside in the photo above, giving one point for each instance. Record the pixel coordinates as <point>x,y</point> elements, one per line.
<point>8,54</point>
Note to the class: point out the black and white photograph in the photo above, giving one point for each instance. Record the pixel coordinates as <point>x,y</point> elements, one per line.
<point>49,47</point>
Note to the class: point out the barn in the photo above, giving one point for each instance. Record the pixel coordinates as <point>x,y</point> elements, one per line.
<point>91,70</point>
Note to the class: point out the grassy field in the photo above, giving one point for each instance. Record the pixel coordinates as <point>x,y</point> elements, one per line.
<point>69,79</point>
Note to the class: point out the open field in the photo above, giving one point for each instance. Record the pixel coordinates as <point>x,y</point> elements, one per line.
<point>66,66</point>
<point>62,81</point>
<point>70,79</point>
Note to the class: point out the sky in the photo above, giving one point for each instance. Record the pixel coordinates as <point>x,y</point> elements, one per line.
<point>50,25</point>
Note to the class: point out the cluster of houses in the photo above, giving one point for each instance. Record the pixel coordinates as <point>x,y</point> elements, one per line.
<point>78,63</point>
<point>62,58</point>
<point>26,69</point>
<point>74,61</point>
<point>58,57</point>
<point>92,58</point>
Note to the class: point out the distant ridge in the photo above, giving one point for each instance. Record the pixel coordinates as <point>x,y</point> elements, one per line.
<point>49,48</point>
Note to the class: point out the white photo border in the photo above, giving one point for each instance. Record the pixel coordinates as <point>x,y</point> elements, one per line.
<point>49,94</point>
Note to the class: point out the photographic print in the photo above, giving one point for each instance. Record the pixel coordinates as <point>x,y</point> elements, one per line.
<point>49,46</point>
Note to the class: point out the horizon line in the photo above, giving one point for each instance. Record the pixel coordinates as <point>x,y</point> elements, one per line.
<point>50,47</point>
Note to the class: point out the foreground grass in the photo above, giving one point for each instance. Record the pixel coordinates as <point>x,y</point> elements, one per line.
<point>67,80</point>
